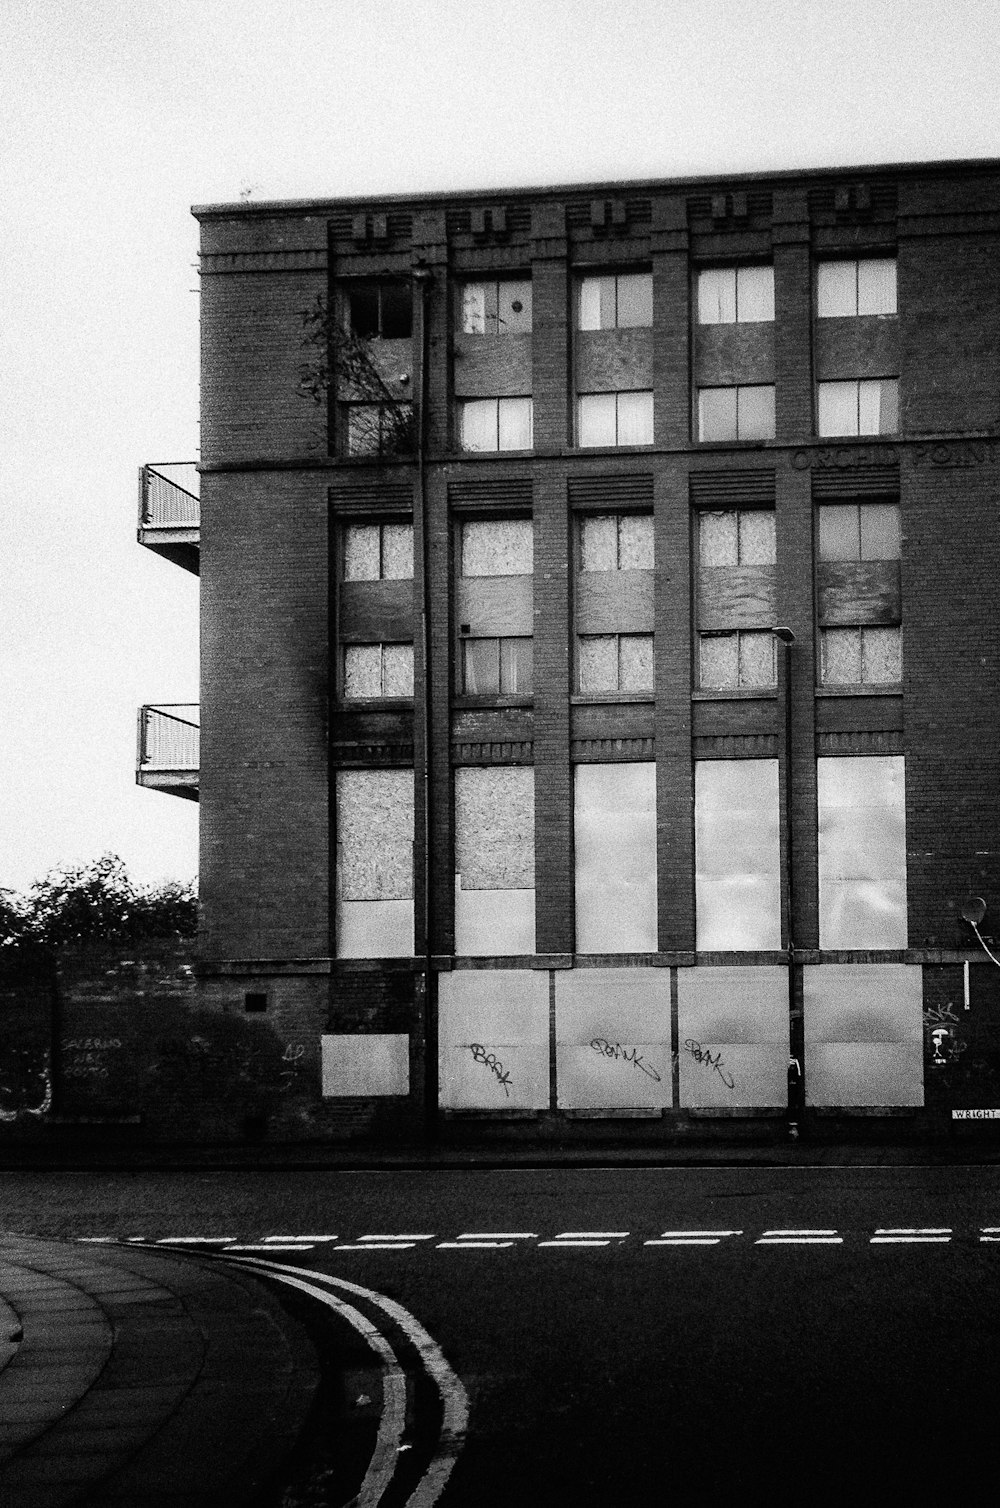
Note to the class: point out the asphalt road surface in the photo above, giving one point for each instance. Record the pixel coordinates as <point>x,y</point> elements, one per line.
<point>636,1336</point>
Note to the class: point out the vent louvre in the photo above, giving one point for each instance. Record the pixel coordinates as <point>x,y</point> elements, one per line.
<point>611,491</point>
<point>857,481</point>
<point>491,492</point>
<point>730,489</point>
<point>372,495</point>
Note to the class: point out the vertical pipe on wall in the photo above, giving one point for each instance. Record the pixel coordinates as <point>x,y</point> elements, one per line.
<point>796,1045</point>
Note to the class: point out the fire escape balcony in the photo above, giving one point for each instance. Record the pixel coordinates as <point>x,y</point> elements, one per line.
<point>170,511</point>
<point>168,748</point>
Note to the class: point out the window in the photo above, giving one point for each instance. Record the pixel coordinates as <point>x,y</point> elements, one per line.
<point>496,308</point>
<point>614,419</point>
<point>858,593</point>
<point>846,289</point>
<point>736,599</point>
<point>380,310</point>
<point>494,862</point>
<point>494,603</point>
<point>617,302</point>
<point>736,413</point>
<point>862,407</point>
<point>378,670</point>
<point>379,429</point>
<point>374,818</point>
<point>497,667</point>
<point>378,552</point>
<point>737,854</point>
<point>616,542</point>
<point>615,662</point>
<point>735,295</point>
<point>614,853</point>
<point>495,424</point>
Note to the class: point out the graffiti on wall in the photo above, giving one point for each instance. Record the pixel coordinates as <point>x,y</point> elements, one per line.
<point>618,1053</point>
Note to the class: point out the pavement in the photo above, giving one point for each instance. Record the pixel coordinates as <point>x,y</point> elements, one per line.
<point>139,1379</point>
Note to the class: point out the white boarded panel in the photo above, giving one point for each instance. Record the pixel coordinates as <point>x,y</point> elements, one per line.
<point>737,855</point>
<point>498,1014</point>
<point>733,1005</point>
<point>863,1002</point>
<point>369,1064</point>
<point>493,923</point>
<point>860,1074</point>
<point>862,852</point>
<point>733,1075</point>
<point>613,1038</point>
<point>615,849</point>
<point>605,1075</point>
<point>495,827</point>
<point>374,929</point>
<point>620,1004</point>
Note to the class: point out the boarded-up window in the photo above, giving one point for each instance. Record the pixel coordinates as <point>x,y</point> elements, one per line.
<point>737,855</point>
<point>613,1039</point>
<point>497,547</point>
<point>858,594</point>
<point>613,603</point>
<point>736,599</point>
<point>374,815</point>
<point>733,1036</point>
<point>378,670</point>
<point>494,861</point>
<point>616,542</point>
<point>494,604</point>
<point>614,817</point>
<point>864,1037</point>
<point>862,852</point>
<point>378,552</point>
<point>493,1039</point>
<point>616,662</point>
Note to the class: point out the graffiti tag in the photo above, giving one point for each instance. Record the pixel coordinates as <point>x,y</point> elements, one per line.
<point>708,1059</point>
<point>490,1061</point>
<point>616,1051</point>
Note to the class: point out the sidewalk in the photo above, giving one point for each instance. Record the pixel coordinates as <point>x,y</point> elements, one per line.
<point>136,1379</point>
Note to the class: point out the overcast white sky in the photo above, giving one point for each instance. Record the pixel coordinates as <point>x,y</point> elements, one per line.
<point>117,115</point>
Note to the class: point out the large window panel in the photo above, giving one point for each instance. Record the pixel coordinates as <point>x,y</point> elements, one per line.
<point>863,1027</point>
<point>614,818</point>
<point>374,908</point>
<point>737,855</point>
<point>493,1039</point>
<point>613,1039</point>
<point>732,1037</point>
<point>494,861</point>
<point>862,852</point>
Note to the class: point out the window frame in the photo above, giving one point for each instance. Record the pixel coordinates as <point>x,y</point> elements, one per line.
<point>464,403</point>
<point>737,388</point>
<point>495,283</point>
<point>605,274</point>
<point>616,444</point>
<point>618,692</point>
<point>353,286</point>
<point>857,263</point>
<point>858,383</point>
<point>735,269</point>
<point>383,696</point>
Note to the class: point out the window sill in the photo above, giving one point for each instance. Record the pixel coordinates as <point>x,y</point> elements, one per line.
<point>375,703</point>
<point>489,455</point>
<point>609,450</point>
<point>737,694</point>
<point>462,703</point>
<point>896,689</point>
<point>735,444</point>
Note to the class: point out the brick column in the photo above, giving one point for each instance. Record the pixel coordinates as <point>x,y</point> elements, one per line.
<point>792,317</point>
<point>554,923</point>
<point>671,320</point>
<point>550,329</point>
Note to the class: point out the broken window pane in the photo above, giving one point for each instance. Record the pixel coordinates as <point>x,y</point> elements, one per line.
<point>364,311</point>
<point>514,307</point>
<point>598,662</point>
<point>497,547</point>
<point>597,303</point>
<point>635,653</point>
<point>396,311</point>
<point>474,309</point>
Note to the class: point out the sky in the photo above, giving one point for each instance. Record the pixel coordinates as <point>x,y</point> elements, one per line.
<point>117,115</point>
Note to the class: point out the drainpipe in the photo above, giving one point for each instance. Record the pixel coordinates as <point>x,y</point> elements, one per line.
<point>422,279</point>
<point>796,1044</point>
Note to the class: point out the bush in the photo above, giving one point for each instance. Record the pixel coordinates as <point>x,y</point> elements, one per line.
<point>94,903</point>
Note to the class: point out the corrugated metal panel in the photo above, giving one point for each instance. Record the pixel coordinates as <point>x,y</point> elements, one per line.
<point>856,481</point>
<point>611,491</point>
<point>732,489</point>
<point>491,492</point>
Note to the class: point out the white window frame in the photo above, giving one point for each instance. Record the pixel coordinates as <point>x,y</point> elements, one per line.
<point>494,433</point>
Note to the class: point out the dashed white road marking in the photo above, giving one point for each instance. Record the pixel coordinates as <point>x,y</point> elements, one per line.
<point>268,1245</point>
<point>692,1237</point>
<point>498,1235</point>
<point>455,1402</point>
<point>471,1245</point>
<point>396,1237</point>
<point>911,1235</point>
<point>369,1245</point>
<point>824,1237</point>
<point>181,1240</point>
<point>279,1239</point>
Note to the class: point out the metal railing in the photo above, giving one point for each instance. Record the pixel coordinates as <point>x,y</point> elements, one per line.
<point>169,736</point>
<point>166,503</point>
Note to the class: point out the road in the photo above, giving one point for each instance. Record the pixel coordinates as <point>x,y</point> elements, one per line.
<point>632,1336</point>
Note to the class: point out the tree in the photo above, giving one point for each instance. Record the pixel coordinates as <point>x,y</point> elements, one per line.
<point>347,365</point>
<point>95,902</point>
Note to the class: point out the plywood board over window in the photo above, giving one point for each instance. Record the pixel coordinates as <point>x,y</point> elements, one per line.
<point>732,1037</point>
<point>493,1039</point>
<point>494,861</point>
<point>614,816</point>
<point>862,852</point>
<point>863,1034</point>
<point>374,815</point>
<point>737,855</point>
<point>613,1039</point>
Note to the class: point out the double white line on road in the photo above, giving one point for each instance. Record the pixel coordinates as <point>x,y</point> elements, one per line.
<point>910,1235</point>
<point>824,1237</point>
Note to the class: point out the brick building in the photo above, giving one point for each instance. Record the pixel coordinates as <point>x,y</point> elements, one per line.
<point>600,651</point>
